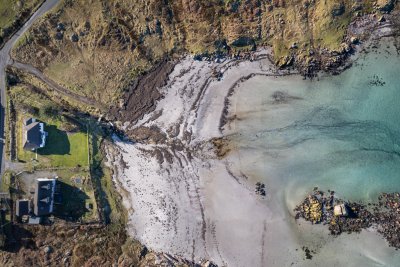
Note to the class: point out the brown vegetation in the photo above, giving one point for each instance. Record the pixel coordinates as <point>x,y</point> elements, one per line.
<point>97,48</point>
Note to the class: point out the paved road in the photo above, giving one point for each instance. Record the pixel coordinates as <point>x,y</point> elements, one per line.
<point>5,60</point>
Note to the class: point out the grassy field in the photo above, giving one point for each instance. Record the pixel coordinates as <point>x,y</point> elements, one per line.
<point>8,12</point>
<point>62,149</point>
<point>135,35</point>
<point>65,155</point>
<point>13,13</point>
<point>78,200</point>
<point>66,144</point>
<point>11,9</point>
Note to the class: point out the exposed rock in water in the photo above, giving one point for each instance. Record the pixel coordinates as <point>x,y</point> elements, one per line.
<point>284,62</point>
<point>260,189</point>
<point>353,217</point>
<point>221,147</point>
<point>311,209</point>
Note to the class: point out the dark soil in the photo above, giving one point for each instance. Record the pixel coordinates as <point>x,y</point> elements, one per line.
<point>141,96</point>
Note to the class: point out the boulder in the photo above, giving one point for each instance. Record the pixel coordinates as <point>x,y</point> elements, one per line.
<point>74,38</point>
<point>286,61</point>
<point>340,210</point>
<point>47,249</point>
<point>338,10</point>
<point>59,36</point>
<point>294,46</point>
<point>354,40</point>
<point>60,27</point>
<point>385,6</point>
<point>243,41</point>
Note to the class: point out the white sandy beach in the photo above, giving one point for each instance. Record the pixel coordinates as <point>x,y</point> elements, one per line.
<point>194,205</point>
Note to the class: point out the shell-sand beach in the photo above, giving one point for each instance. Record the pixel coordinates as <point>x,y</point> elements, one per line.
<point>192,192</point>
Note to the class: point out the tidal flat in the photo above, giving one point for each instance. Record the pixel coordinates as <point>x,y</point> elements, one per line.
<point>333,132</point>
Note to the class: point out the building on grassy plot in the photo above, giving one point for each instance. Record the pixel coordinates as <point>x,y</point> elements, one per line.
<point>22,207</point>
<point>33,135</point>
<point>43,200</point>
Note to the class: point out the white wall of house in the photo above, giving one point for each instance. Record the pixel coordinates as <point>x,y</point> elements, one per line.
<point>43,134</point>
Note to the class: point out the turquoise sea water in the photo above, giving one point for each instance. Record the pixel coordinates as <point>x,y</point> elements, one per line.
<point>338,132</point>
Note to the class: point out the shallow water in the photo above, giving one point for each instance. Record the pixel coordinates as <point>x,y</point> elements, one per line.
<point>340,133</point>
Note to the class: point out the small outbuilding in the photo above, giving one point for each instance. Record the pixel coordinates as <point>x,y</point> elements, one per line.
<point>22,207</point>
<point>34,220</point>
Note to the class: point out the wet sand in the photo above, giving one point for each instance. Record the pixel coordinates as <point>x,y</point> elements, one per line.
<point>288,133</point>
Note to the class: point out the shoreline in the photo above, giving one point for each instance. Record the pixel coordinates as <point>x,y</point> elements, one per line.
<point>175,182</point>
<point>180,183</point>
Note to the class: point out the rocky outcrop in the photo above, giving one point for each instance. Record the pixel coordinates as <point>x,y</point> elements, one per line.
<point>386,5</point>
<point>345,216</point>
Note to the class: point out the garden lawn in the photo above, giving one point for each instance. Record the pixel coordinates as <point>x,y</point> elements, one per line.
<point>62,149</point>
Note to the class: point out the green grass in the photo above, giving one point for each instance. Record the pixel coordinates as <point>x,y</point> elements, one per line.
<point>10,9</point>
<point>76,196</point>
<point>329,30</point>
<point>8,12</point>
<point>6,182</point>
<point>24,39</point>
<point>66,152</point>
<point>62,149</point>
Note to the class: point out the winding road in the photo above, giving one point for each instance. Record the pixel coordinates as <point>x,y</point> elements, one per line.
<point>5,60</point>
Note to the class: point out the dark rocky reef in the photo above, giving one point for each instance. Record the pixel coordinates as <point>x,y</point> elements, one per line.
<point>345,216</point>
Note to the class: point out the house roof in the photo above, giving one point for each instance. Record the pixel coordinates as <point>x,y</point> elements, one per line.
<point>22,207</point>
<point>32,136</point>
<point>44,196</point>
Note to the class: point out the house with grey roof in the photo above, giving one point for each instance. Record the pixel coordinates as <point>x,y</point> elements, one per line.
<point>33,135</point>
<point>43,200</point>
